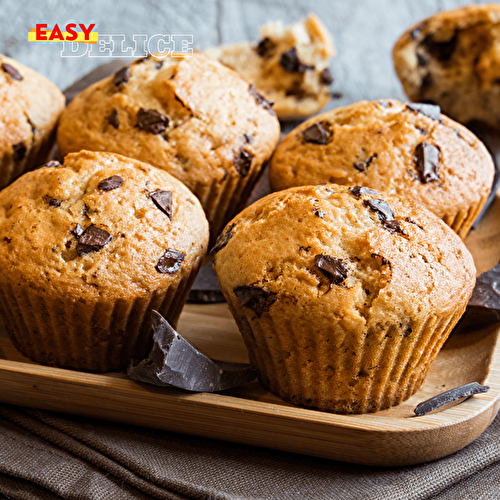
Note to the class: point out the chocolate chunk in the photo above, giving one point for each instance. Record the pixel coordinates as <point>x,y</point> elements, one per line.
<point>53,202</point>
<point>381,207</point>
<point>261,100</point>
<point>18,151</point>
<point>163,200</point>
<point>152,121</point>
<point>442,51</point>
<point>158,65</point>
<point>205,288</point>
<point>336,95</point>
<point>121,76</point>
<point>113,182</point>
<point>242,161</point>
<point>78,231</point>
<point>170,262</point>
<point>359,191</point>
<point>248,138</point>
<point>430,110</point>
<point>92,240</point>
<point>336,270</point>
<point>50,164</point>
<point>318,133</point>
<point>362,165</point>
<point>427,162</point>
<point>319,213</point>
<point>7,240</point>
<point>394,226</point>
<point>223,238</point>
<point>325,77</point>
<point>113,118</point>
<point>257,299</point>
<point>464,391</point>
<point>12,72</point>
<point>290,61</point>
<point>264,46</point>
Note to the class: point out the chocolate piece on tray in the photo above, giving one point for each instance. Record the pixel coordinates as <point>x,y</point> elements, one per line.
<point>464,391</point>
<point>206,287</point>
<point>174,362</point>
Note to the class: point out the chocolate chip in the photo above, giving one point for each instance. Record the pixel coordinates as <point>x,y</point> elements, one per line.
<point>50,164</point>
<point>163,200</point>
<point>121,76</point>
<point>430,110</point>
<point>53,202</point>
<point>359,191</point>
<point>170,262</point>
<point>223,238</point>
<point>362,165</point>
<point>113,118</point>
<point>264,46</point>
<point>325,77</point>
<point>383,260</point>
<point>427,162</point>
<point>152,121</point>
<point>336,95</point>
<point>319,213</point>
<point>18,151</point>
<point>304,249</point>
<point>7,240</point>
<point>261,100</point>
<point>248,138</point>
<point>290,61</point>
<point>336,270</point>
<point>78,231</point>
<point>12,72</point>
<point>381,207</point>
<point>318,133</point>
<point>257,299</point>
<point>92,240</point>
<point>158,65</point>
<point>440,50</point>
<point>394,226</point>
<point>242,161</point>
<point>113,182</point>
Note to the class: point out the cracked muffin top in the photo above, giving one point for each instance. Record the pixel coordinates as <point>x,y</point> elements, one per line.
<point>190,116</point>
<point>408,149</point>
<point>30,107</point>
<point>350,254</point>
<point>100,224</point>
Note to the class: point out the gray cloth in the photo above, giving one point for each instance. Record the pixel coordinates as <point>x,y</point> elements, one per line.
<point>45,455</point>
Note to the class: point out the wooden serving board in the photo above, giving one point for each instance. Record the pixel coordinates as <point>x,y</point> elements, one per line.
<point>252,415</point>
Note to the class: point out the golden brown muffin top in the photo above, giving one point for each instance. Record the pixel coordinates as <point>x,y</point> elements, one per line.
<point>100,224</point>
<point>338,252</point>
<point>191,116</point>
<point>409,149</point>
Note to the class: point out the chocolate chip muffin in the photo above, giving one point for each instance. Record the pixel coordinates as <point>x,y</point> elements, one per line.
<point>31,105</point>
<point>87,250</point>
<point>289,65</point>
<point>190,116</point>
<point>452,59</point>
<point>343,296</point>
<point>409,149</point>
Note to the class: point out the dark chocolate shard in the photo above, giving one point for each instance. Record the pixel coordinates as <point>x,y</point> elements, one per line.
<point>12,72</point>
<point>394,226</point>
<point>223,238</point>
<point>242,161</point>
<point>430,110</point>
<point>427,162</point>
<point>359,191</point>
<point>53,202</point>
<point>113,119</point>
<point>19,151</point>
<point>121,76</point>
<point>336,270</point>
<point>92,240</point>
<point>170,262</point>
<point>163,201</point>
<point>174,362</point>
<point>325,77</point>
<point>206,288</point>
<point>255,298</point>
<point>464,391</point>
<point>113,182</point>
<point>381,207</point>
<point>362,164</point>
<point>264,46</point>
<point>290,61</point>
<point>152,121</point>
<point>442,51</point>
<point>318,133</point>
<point>261,100</point>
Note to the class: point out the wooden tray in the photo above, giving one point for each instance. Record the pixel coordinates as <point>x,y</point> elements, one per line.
<point>251,415</point>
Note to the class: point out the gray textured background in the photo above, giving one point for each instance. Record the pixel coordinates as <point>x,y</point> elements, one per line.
<point>364,32</point>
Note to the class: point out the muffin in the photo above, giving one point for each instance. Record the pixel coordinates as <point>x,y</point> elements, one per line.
<point>190,116</point>
<point>288,65</point>
<point>343,296</point>
<point>31,105</point>
<point>453,59</point>
<point>408,149</point>
<point>87,250</point>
